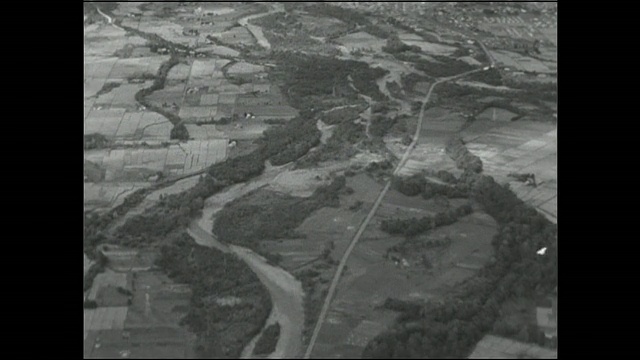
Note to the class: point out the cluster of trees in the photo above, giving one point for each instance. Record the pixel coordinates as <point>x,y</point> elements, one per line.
<point>347,113</point>
<point>542,91</point>
<point>107,87</point>
<point>339,145</point>
<point>239,169</point>
<point>364,79</point>
<point>179,132</point>
<point>267,342</point>
<point>401,306</point>
<point>222,331</point>
<point>95,141</point>
<point>280,145</point>
<point>409,185</point>
<point>415,226</point>
<point>158,84</point>
<point>444,66</point>
<point>464,97</point>
<point>464,159</point>
<point>246,223</point>
<point>490,77</point>
<point>451,90</point>
<point>418,185</point>
<point>458,191</point>
<point>381,124</point>
<point>351,17</point>
<point>416,245</point>
<point>279,22</point>
<point>395,45</point>
<point>312,284</point>
<point>450,329</point>
<point>312,75</point>
<point>156,40</point>
<point>446,176</point>
<point>288,143</point>
<point>346,132</point>
<point>96,224</point>
<point>94,270</point>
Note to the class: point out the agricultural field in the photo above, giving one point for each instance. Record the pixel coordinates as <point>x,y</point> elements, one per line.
<point>118,124</point>
<point>428,47</point>
<point>146,326</point>
<point>519,62</point>
<point>299,100</point>
<point>357,314</point>
<point>106,195</point>
<point>519,147</point>
<point>176,159</point>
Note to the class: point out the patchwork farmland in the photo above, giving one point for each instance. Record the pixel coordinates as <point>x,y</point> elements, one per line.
<point>520,147</point>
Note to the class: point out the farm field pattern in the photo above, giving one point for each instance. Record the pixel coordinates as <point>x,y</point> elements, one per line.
<point>334,156</point>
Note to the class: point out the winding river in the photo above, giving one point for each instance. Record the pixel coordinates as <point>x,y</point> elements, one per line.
<point>285,290</point>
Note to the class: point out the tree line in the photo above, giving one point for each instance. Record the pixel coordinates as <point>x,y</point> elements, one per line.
<point>222,330</point>
<point>417,184</point>
<point>451,329</point>
<point>464,159</point>
<point>246,223</point>
<point>417,226</point>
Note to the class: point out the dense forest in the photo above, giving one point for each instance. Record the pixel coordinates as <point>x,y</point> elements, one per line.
<point>464,159</point>
<point>442,67</point>
<point>245,222</point>
<point>394,46</point>
<point>95,141</point>
<point>450,329</point>
<point>267,342</point>
<point>415,226</point>
<point>417,185</point>
<point>490,77</point>
<point>307,76</point>
<point>381,124</point>
<point>288,143</point>
<point>217,279</point>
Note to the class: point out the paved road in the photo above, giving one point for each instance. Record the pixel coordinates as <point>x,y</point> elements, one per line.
<point>363,226</point>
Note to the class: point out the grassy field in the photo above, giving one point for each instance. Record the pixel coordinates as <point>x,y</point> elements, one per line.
<point>148,327</point>
<point>357,314</point>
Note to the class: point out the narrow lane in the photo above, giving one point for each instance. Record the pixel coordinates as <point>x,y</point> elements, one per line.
<point>363,226</point>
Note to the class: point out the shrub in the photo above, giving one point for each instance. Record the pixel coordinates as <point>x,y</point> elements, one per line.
<point>267,342</point>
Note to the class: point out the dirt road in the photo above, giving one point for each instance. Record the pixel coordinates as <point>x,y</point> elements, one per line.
<point>363,226</point>
<point>109,19</point>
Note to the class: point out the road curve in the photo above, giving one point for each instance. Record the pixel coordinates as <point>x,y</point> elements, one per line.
<point>363,226</point>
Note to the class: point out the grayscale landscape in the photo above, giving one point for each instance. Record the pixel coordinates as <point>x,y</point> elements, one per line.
<point>320,180</point>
